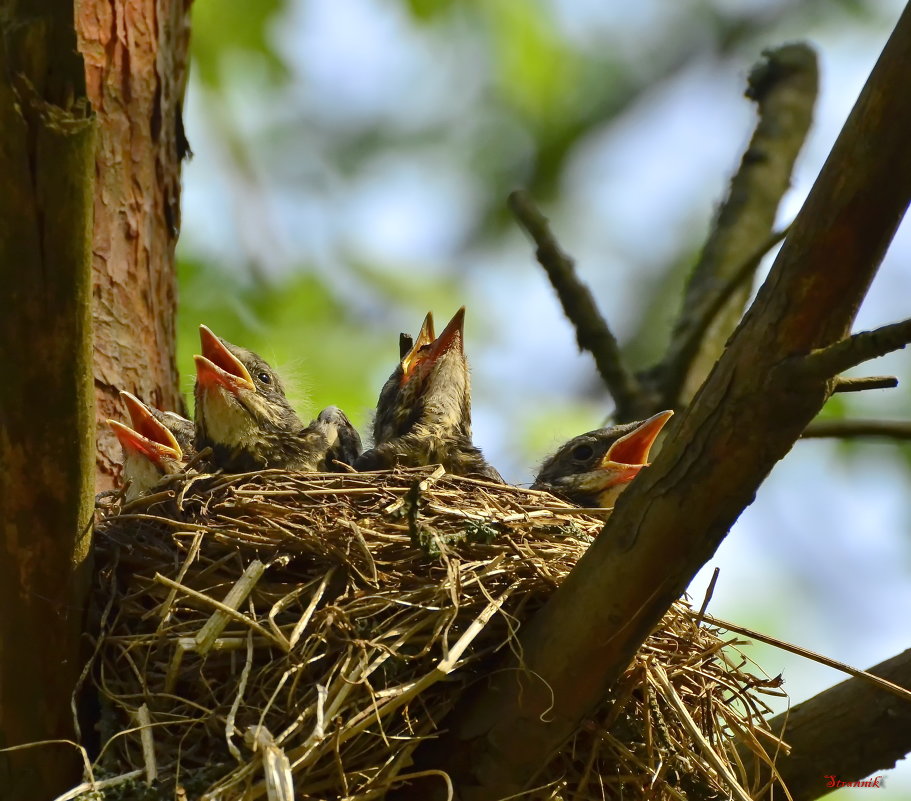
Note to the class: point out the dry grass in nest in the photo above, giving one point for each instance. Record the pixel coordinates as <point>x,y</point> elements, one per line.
<point>272,630</point>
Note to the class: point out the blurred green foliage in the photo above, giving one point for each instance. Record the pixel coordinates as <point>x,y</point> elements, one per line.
<point>475,98</point>
<point>538,72</point>
<point>529,90</point>
<point>223,29</point>
<point>297,325</point>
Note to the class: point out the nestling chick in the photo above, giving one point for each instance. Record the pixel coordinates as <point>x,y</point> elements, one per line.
<point>242,413</point>
<point>593,469</point>
<point>423,415</point>
<point>155,444</point>
<point>342,442</point>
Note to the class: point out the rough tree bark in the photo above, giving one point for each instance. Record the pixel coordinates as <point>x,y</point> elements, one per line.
<point>775,374</point>
<point>135,55</point>
<point>46,431</point>
<point>59,270</point>
<point>751,410</point>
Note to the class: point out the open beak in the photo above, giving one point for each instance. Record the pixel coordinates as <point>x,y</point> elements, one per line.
<point>418,351</point>
<point>218,366</point>
<point>629,454</point>
<point>149,437</point>
<point>427,350</point>
<point>148,426</point>
<point>450,338</point>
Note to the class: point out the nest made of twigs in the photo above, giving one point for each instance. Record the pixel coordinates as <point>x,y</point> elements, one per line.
<point>274,630</point>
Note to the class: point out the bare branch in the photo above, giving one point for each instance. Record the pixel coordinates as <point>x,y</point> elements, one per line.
<point>822,733</point>
<point>744,419</point>
<point>864,383</point>
<point>784,85</point>
<point>592,331</point>
<point>856,349</point>
<point>854,429</point>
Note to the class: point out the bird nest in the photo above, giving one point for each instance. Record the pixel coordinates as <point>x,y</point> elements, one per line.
<point>272,630</point>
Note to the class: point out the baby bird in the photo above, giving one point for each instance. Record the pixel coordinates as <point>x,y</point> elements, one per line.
<point>343,443</point>
<point>155,444</point>
<point>592,469</point>
<point>423,415</point>
<point>242,413</point>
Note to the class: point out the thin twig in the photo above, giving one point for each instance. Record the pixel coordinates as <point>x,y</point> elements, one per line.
<point>856,349</point>
<point>406,777</point>
<point>148,743</point>
<point>592,331</point>
<point>216,624</point>
<point>854,429</point>
<point>710,591</point>
<point>888,686</point>
<point>233,613</point>
<point>100,784</point>
<point>863,383</point>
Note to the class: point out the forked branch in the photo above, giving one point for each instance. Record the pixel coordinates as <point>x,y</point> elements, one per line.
<point>784,85</point>
<point>746,416</point>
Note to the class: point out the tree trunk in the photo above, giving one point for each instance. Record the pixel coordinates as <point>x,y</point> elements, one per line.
<point>59,270</point>
<point>46,431</point>
<point>135,55</point>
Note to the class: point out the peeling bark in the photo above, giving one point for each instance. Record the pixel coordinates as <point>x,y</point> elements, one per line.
<point>135,55</point>
<point>55,263</point>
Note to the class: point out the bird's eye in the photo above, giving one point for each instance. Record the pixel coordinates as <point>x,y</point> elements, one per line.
<point>264,377</point>
<point>582,453</point>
